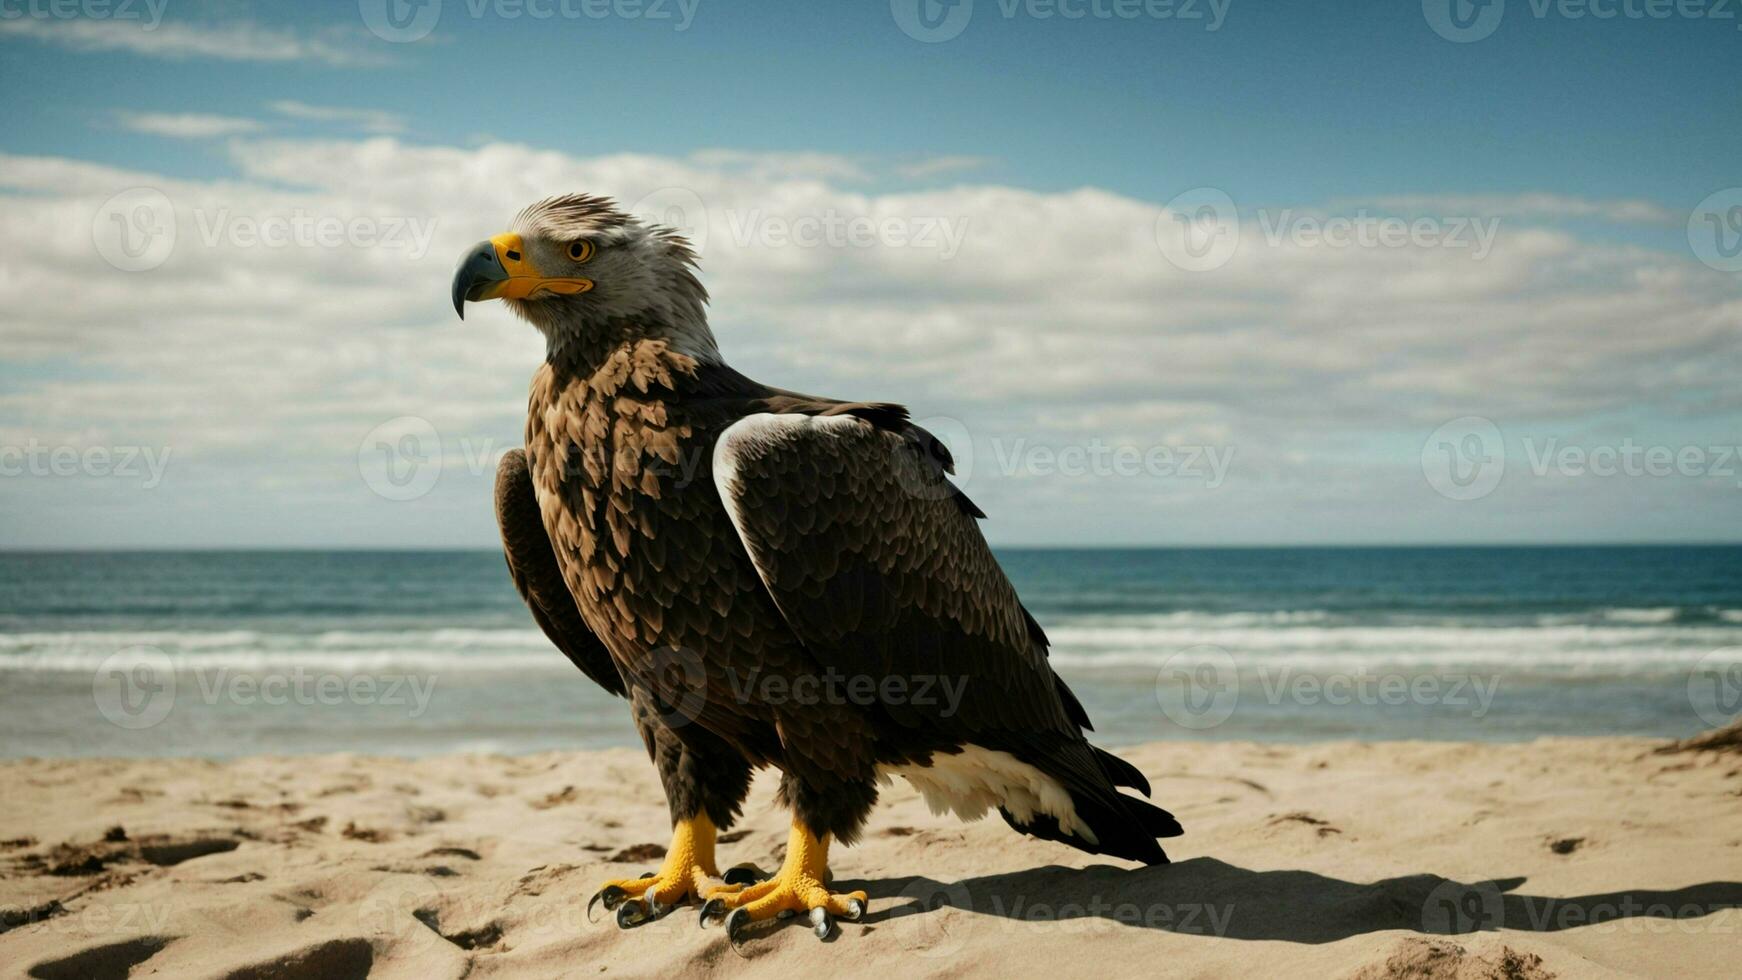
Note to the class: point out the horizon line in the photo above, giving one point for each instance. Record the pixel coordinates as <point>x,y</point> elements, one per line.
<point>486,549</point>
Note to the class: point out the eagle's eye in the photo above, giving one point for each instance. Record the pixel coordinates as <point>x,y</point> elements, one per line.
<point>580,251</point>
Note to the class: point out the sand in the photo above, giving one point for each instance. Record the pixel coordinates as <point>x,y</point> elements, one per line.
<point>1572,858</point>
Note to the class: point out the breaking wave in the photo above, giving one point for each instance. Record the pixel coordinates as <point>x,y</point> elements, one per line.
<point>1610,642</point>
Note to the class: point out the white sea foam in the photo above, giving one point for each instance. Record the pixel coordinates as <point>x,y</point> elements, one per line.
<point>1608,644</point>
<point>348,651</point>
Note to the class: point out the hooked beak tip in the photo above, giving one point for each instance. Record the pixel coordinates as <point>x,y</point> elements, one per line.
<point>480,267</point>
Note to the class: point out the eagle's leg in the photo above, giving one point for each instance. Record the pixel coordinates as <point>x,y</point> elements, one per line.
<point>705,784</point>
<point>830,798</point>
<point>688,872</point>
<point>799,887</point>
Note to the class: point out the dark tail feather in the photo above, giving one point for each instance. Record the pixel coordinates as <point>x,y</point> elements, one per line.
<point>1123,826</point>
<point>1155,820</point>
<point>1121,773</point>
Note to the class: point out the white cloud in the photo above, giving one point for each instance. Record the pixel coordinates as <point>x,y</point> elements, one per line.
<point>187,125</point>
<point>1057,321</point>
<point>366,120</point>
<point>180,41</point>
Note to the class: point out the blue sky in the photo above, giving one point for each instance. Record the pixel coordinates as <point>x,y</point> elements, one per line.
<point>1287,101</point>
<point>1593,141</point>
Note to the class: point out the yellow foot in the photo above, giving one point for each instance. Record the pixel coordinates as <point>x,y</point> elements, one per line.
<point>688,872</point>
<point>798,888</point>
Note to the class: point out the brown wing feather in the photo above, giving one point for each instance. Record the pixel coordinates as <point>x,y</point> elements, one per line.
<point>533,566</point>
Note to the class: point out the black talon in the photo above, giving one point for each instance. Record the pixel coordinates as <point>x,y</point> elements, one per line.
<point>648,874</point>
<point>611,895</point>
<point>631,914</point>
<point>821,922</point>
<point>855,910</point>
<point>713,908</point>
<point>743,874</point>
<point>736,922</point>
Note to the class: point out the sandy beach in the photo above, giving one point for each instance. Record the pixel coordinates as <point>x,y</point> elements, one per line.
<point>1562,857</point>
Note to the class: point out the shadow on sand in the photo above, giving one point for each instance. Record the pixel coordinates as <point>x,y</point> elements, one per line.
<point>1203,896</point>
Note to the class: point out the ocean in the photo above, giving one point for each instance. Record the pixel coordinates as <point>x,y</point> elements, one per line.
<point>409,653</point>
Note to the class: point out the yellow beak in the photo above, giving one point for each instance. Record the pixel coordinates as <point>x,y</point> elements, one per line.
<point>500,269</point>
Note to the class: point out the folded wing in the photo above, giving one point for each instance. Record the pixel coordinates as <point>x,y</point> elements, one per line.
<point>533,566</point>
<point>876,561</point>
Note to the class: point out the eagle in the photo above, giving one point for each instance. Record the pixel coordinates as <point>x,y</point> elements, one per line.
<point>770,579</point>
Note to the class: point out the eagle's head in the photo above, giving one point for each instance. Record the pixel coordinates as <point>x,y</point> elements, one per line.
<point>577,266</point>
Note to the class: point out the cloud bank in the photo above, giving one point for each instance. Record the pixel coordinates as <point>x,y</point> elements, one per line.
<point>301,305</point>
